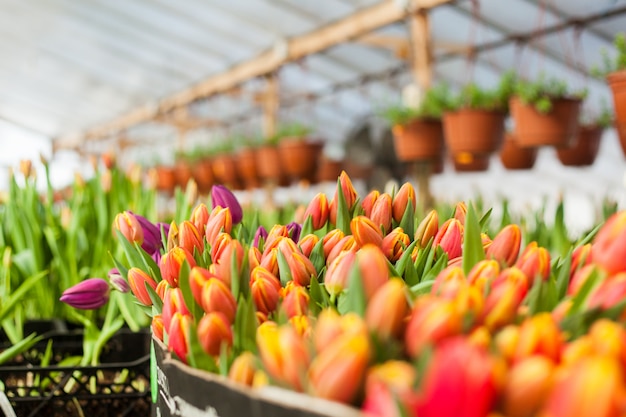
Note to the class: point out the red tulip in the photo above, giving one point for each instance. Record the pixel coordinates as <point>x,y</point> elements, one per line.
<point>173,302</point>
<point>178,335</point>
<point>137,279</point>
<point>318,210</point>
<point>171,263</point>
<point>401,200</point>
<point>220,220</point>
<point>189,237</point>
<point>534,262</point>
<point>217,297</point>
<point>450,238</point>
<point>609,245</point>
<point>505,246</point>
<point>264,287</point>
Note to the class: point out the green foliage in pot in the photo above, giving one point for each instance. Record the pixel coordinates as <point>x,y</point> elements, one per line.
<point>541,92</point>
<point>472,96</point>
<point>602,119</point>
<point>435,102</point>
<point>292,131</point>
<point>613,64</point>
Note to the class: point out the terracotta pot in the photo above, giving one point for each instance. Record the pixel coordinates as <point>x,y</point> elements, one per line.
<point>358,171</point>
<point>584,149</point>
<point>418,140</point>
<point>268,164</point>
<point>165,178</point>
<point>555,128</point>
<point>225,170</point>
<point>299,157</point>
<point>182,171</point>
<point>617,83</point>
<point>516,157</point>
<point>246,162</point>
<point>467,162</point>
<point>328,169</point>
<point>202,172</point>
<point>472,131</point>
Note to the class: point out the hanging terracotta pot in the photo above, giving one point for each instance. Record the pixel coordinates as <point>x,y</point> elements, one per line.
<point>202,172</point>
<point>584,150</point>
<point>225,170</point>
<point>329,169</point>
<point>165,178</point>
<point>617,83</point>
<point>182,171</point>
<point>558,127</point>
<point>467,162</point>
<point>299,157</point>
<point>516,157</point>
<point>268,164</point>
<point>246,162</point>
<point>473,131</point>
<point>420,139</point>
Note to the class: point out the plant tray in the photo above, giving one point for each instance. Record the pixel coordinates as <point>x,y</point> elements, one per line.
<point>119,386</point>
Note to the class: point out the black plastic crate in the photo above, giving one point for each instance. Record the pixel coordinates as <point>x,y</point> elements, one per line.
<point>119,386</point>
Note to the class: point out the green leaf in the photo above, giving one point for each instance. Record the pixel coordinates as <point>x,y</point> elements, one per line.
<point>578,301</point>
<point>185,288</point>
<point>562,278</point>
<point>283,268</point>
<point>317,256</point>
<point>19,347</point>
<point>407,223</point>
<point>422,288</point>
<point>319,298</point>
<point>442,262</point>
<point>19,294</point>
<point>355,295</point>
<point>473,251</point>
<point>154,297</point>
<point>589,237</point>
<point>484,220</point>
<point>245,326</point>
<point>307,226</point>
<point>405,259</point>
<point>343,211</point>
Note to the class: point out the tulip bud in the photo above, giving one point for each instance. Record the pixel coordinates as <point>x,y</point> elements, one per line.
<point>330,325</point>
<point>387,310</point>
<point>217,297</point>
<point>608,338</point>
<point>609,245</point>
<point>506,295</point>
<point>527,386</point>
<point>580,257</point>
<point>129,227</point>
<point>318,210</point>
<point>89,294</point>
<point>389,389</point>
<point>117,281</point>
<point>190,238</point>
<point>539,335</point>
<point>243,369</point>
<point>264,287</point>
<point>401,200</point>
<point>534,262</point>
<point>161,288</point>
<point>178,335</point>
<point>260,237</point>
<point>347,244</point>
<point>427,229</point>
<point>382,213</point>
<point>307,244</point>
<point>349,194</point>
<point>373,269</point>
<point>294,230</point>
<point>137,279</point>
<point>483,274</point>
<point>171,263</point>
<point>295,300</point>
<point>450,238</point>
<point>459,381</point>
<point>609,293</point>
<point>338,272</point>
<point>331,239</point>
<point>197,277</point>
<point>582,275</point>
<point>254,257</point>
<point>505,246</point>
<point>448,282</point>
<point>460,211</point>
<point>337,372</point>
<point>223,248</point>
<point>26,167</point>
<point>368,202</point>
<point>220,220</point>
<point>214,332</point>
<point>395,243</point>
<point>269,261</point>
<point>365,231</point>
<point>432,320</point>
<point>157,326</point>
<point>275,235</point>
<point>223,197</point>
<point>300,267</point>
<point>172,236</point>
<point>200,217</point>
<point>173,302</point>
<point>302,325</point>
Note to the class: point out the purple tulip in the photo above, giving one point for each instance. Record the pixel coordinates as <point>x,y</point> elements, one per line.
<point>294,230</point>
<point>89,294</point>
<point>261,233</point>
<point>223,197</point>
<point>151,235</point>
<point>117,281</point>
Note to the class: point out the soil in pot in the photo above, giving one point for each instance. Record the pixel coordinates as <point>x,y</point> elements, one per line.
<point>585,148</point>
<point>473,131</point>
<point>418,140</point>
<point>516,157</point>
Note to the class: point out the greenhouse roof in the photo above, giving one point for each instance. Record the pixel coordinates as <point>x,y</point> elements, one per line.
<point>70,67</point>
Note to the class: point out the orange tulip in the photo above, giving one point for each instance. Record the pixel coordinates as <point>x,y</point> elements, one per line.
<point>173,302</point>
<point>243,369</point>
<point>178,335</point>
<point>483,274</point>
<point>401,200</point>
<point>307,243</point>
<point>330,325</point>
<point>300,267</point>
<point>338,272</point>
<point>137,280</point>
<point>539,335</point>
<point>264,287</point>
<point>331,239</point>
<point>318,210</point>
<point>506,295</point>
<point>395,243</point>
<point>432,320</point>
<point>527,386</point>
<point>254,257</point>
<point>347,244</point>
<point>381,213</point>
<point>368,202</point>
<point>157,326</point>
<point>214,332</point>
<point>386,385</point>
<point>200,218</point>
<point>373,269</point>
<point>171,263</point>
<point>427,229</point>
<point>365,231</point>
<point>349,194</point>
<point>534,262</point>
<point>189,237</point>
<point>505,246</point>
<point>609,245</point>
<point>580,257</point>
<point>161,288</point>
<point>129,227</point>
<point>609,293</point>
<point>295,300</point>
<point>217,297</point>
<point>274,237</point>
<point>582,275</point>
<point>220,220</point>
<point>387,310</point>
<point>460,211</point>
<point>448,282</point>
<point>224,247</point>
<point>450,238</point>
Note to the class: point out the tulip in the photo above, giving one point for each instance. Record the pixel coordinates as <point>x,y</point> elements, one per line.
<point>349,194</point>
<point>197,277</point>
<point>172,236</point>
<point>307,244</point>
<point>223,248</point>
<point>294,230</point>
<point>486,241</point>
<point>254,257</point>
<point>214,332</point>
<point>264,287</point>
<point>427,229</point>
<point>382,213</point>
<point>389,389</point>
<point>609,293</point>
<point>582,275</point>
<point>506,341</point>
<point>562,309</point>
<point>152,240</point>
<point>506,295</point>
<point>459,381</point>
<point>580,257</point>
<point>189,237</point>
<point>591,387</point>
<point>576,350</point>
<point>157,326</point>
<point>200,217</point>
<point>608,338</point>
<point>373,269</point>
<point>220,220</point>
<point>534,262</point>
<point>395,243</point>
<point>450,238</point>
<point>448,282</point>
<point>117,281</point>
<point>318,210</point>
<point>337,371</point>
<point>347,244</point>
<point>223,197</point>
<point>387,309</point>
<point>300,267</point>
<point>539,335</point>
<point>331,239</point>
<point>171,263</point>
<point>368,202</point>
<point>260,236</point>
<point>295,300</point>
<point>505,246</point>
<point>483,274</point>
<point>302,325</point>
<point>178,335</point>
<point>137,279</point>
<point>365,231</point>
<point>173,302</point>
<point>274,236</point>
<point>432,320</point>
<point>460,211</point>
<point>527,386</point>
<point>161,288</point>
<point>330,325</point>
<point>283,353</point>
<point>401,200</point>
<point>338,272</point>
<point>217,297</point>
<point>89,294</point>
<point>129,227</point>
<point>243,369</point>
<point>269,261</point>
<point>609,245</point>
